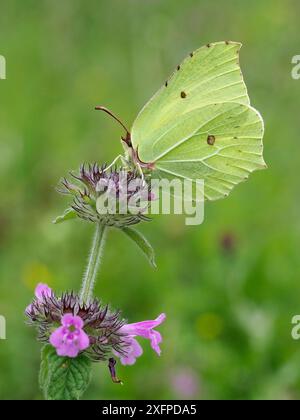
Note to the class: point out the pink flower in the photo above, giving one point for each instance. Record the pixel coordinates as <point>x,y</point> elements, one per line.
<point>143,329</point>
<point>41,291</point>
<point>70,339</point>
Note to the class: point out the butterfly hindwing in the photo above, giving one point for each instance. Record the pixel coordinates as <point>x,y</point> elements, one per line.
<point>223,147</point>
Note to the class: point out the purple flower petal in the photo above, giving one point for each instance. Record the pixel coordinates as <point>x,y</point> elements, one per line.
<point>70,339</point>
<point>155,339</point>
<point>70,320</point>
<point>141,328</point>
<point>133,350</point>
<point>83,340</point>
<point>68,349</point>
<point>42,290</point>
<point>144,329</point>
<point>57,337</point>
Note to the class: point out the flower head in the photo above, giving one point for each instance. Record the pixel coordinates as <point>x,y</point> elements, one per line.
<point>73,327</point>
<point>143,329</point>
<point>112,197</point>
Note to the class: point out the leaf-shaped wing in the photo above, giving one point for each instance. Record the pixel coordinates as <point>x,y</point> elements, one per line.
<point>210,75</point>
<point>220,144</point>
<point>200,125</point>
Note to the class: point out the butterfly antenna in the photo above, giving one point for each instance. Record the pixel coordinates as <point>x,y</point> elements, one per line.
<point>127,139</point>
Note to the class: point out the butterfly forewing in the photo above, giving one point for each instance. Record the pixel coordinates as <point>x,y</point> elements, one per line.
<point>200,125</point>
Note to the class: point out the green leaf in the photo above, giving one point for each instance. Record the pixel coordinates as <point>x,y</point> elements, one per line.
<point>68,215</point>
<point>44,369</point>
<point>63,378</point>
<point>142,243</point>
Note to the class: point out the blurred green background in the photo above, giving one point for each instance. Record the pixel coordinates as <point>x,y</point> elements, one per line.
<point>229,287</point>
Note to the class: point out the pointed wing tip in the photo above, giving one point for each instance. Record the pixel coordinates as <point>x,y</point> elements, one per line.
<point>214,44</point>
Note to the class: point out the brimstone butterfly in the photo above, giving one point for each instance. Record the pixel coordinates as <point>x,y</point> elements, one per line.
<point>200,124</point>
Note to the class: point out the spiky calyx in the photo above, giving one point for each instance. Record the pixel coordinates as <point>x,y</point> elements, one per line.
<point>101,324</point>
<point>116,198</point>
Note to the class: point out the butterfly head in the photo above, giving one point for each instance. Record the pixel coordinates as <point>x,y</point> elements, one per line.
<point>132,155</point>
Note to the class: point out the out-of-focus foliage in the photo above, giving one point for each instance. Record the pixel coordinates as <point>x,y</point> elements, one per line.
<point>229,287</point>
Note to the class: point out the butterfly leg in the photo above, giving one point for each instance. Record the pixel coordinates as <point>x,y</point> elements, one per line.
<point>140,170</point>
<point>114,162</point>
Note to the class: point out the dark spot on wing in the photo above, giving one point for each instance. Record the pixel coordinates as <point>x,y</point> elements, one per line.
<point>227,42</point>
<point>191,54</point>
<point>166,84</point>
<point>183,94</point>
<point>208,45</point>
<point>211,140</point>
<point>178,67</point>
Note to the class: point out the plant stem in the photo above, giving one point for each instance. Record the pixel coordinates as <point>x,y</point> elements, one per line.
<point>90,275</point>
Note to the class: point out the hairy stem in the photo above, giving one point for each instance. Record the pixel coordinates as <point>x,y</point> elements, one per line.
<point>92,269</point>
